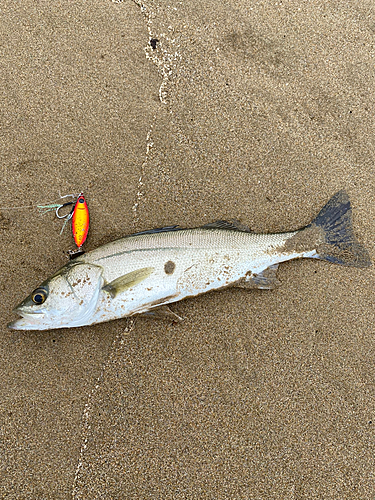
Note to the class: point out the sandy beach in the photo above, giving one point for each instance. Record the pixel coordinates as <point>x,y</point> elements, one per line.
<point>251,110</point>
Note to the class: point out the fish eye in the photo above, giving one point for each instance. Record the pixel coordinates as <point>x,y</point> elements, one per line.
<point>39,295</point>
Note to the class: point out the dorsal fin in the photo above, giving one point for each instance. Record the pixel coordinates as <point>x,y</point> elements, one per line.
<point>158,230</point>
<point>232,225</point>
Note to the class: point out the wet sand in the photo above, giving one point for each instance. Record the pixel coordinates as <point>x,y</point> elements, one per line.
<point>246,110</point>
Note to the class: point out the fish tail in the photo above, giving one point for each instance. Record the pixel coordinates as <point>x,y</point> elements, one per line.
<point>337,242</point>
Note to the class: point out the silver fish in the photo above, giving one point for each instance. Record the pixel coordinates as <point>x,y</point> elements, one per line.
<point>144,272</point>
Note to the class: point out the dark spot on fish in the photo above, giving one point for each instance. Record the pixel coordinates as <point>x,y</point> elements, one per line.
<point>169,267</point>
<point>153,43</point>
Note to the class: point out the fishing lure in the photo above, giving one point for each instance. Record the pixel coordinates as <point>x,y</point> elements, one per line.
<point>79,215</point>
<point>80,221</point>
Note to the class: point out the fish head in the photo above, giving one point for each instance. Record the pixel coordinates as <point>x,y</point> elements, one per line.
<point>69,298</point>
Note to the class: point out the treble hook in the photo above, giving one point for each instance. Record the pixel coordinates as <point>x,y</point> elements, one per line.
<point>66,216</point>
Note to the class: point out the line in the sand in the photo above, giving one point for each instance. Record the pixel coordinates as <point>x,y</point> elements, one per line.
<point>165,57</point>
<point>117,345</point>
<point>140,191</point>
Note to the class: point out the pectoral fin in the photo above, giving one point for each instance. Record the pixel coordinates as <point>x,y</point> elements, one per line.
<point>127,281</point>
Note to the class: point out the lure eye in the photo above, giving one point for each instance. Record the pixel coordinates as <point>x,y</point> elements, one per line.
<point>39,296</point>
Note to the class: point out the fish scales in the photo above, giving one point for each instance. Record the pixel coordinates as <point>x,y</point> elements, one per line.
<point>188,246</point>
<point>142,273</point>
<point>202,260</point>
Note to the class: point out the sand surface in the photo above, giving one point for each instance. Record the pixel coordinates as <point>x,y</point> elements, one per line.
<point>253,110</point>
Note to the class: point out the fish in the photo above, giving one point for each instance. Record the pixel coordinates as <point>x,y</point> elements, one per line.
<point>143,273</point>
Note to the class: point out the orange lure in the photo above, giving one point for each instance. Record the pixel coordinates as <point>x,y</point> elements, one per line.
<point>80,221</point>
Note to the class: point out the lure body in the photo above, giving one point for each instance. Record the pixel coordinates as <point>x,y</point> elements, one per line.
<point>80,221</point>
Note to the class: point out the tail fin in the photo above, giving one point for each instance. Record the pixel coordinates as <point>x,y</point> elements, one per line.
<point>340,244</point>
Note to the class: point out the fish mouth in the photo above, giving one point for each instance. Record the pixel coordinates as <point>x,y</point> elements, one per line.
<point>27,321</point>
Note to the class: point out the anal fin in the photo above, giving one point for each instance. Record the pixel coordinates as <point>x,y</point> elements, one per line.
<point>162,312</point>
<point>266,280</point>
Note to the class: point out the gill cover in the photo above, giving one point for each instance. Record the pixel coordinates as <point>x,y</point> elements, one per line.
<point>70,299</point>
<point>85,281</point>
